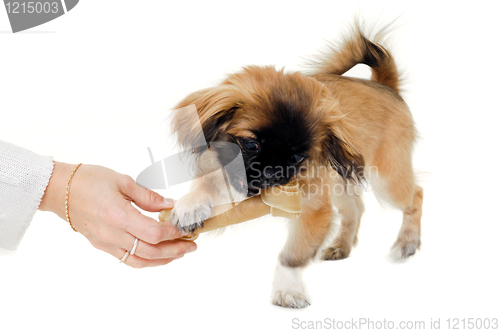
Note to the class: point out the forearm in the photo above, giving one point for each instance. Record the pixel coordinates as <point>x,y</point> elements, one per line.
<point>54,198</point>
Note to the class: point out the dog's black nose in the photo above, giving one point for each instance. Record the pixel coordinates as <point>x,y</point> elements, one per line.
<point>271,177</point>
<point>269,172</point>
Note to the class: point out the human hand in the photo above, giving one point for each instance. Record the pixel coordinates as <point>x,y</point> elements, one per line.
<point>100,208</point>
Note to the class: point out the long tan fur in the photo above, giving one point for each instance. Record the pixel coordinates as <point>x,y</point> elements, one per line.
<point>358,125</point>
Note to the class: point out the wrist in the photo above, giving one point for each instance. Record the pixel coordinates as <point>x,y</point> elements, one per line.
<point>54,197</point>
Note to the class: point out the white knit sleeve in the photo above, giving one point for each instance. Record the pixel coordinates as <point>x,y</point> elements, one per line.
<point>24,176</point>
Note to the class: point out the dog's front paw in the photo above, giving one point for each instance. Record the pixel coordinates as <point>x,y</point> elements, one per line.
<point>288,290</point>
<point>191,210</point>
<point>290,299</point>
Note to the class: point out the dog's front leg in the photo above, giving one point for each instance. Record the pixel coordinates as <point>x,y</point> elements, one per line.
<point>195,207</point>
<point>306,235</point>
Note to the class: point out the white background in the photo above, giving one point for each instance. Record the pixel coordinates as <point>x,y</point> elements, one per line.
<point>95,86</point>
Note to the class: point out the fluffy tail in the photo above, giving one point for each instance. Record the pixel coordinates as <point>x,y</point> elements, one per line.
<point>357,49</point>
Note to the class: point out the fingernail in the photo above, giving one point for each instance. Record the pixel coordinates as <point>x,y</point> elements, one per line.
<point>169,202</point>
<point>192,248</point>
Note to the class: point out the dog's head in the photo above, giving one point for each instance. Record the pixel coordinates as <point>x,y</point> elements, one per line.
<point>281,122</point>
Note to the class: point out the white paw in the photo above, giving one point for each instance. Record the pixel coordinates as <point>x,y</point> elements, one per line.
<point>290,299</point>
<point>288,290</point>
<point>191,210</point>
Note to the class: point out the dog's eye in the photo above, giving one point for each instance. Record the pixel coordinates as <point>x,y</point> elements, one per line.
<point>251,145</point>
<point>297,158</point>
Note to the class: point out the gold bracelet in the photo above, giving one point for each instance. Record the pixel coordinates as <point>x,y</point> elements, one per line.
<point>67,196</point>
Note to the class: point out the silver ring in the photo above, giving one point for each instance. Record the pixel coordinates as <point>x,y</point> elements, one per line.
<point>132,252</point>
<point>124,257</point>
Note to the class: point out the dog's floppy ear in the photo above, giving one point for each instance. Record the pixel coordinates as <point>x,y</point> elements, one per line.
<point>214,108</point>
<point>343,157</point>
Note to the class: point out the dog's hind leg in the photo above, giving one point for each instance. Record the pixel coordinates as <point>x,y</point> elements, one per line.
<point>408,241</point>
<point>396,185</point>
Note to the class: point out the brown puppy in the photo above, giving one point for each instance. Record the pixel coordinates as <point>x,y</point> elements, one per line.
<point>330,132</point>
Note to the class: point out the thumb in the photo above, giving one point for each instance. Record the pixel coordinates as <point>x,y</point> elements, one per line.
<point>149,200</point>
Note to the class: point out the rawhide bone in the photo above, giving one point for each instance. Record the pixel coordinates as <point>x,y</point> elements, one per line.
<point>284,201</point>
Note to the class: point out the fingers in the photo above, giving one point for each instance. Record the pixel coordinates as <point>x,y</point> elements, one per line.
<point>146,255</point>
<point>149,230</point>
<point>163,250</point>
<point>144,227</point>
<point>138,262</point>
<point>145,198</point>
<point>134,260</point>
